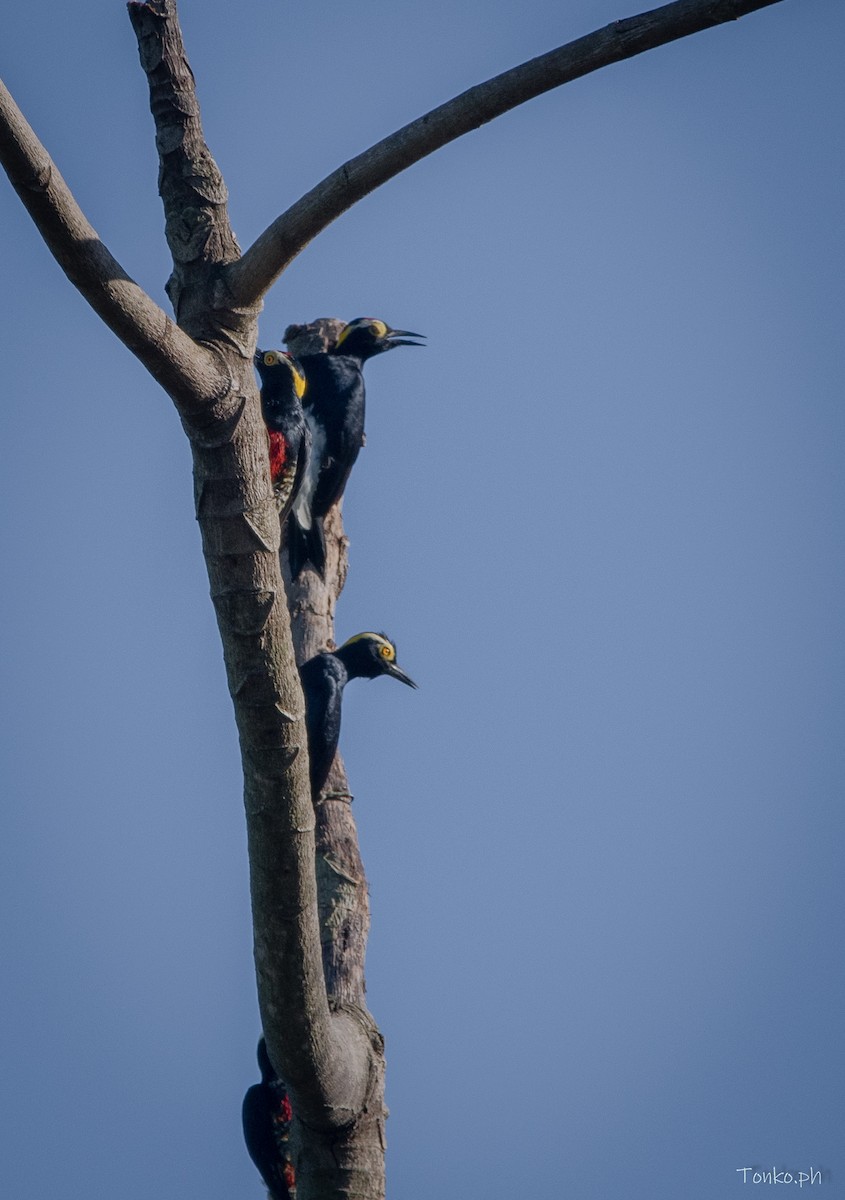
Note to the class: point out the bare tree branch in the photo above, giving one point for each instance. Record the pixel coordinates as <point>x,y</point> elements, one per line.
<point>190,184</point>
<point>271,253</point>
<point>192,375</point>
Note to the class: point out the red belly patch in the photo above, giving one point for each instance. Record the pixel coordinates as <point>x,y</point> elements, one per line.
<point>278,453</point>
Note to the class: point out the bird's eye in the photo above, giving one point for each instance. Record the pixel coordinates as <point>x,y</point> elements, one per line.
<point>387,652</point>
<point>379,329</point>
<point>270,359</point>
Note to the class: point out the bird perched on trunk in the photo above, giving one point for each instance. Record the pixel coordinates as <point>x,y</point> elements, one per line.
<point>282,388</point>
<point>324,677</point>
<point>334,409</point>
<point>266,1117</point>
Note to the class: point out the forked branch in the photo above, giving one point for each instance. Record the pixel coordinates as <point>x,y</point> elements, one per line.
<point>265,260</point>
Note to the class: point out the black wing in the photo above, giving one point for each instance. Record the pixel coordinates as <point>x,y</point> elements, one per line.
<point>323,678</point>
<point>336,398</point>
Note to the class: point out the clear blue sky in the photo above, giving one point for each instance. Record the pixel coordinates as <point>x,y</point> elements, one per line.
<point>602,517</point>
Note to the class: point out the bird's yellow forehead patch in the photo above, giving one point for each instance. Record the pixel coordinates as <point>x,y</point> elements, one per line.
<point>378,327</point>
<point>386,649</point>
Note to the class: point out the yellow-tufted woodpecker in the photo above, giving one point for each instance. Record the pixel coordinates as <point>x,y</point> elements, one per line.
<point>282,387</point>
<point>365,656</point>
<point>334,409</point>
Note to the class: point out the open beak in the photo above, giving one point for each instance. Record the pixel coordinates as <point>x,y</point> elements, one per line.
<point>399,337</point>
<point>399,674</point>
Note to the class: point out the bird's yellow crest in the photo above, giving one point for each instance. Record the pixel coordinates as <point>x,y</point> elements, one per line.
<point>386,649</point>
<point>379,328</point>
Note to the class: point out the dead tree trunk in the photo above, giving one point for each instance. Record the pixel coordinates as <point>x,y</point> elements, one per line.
<point>342,895</point>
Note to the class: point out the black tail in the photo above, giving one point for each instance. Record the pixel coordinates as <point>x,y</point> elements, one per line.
<point>305,545</point>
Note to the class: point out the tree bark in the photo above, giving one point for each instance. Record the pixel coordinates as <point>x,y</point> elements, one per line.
<point>326,1049</point>
<point>192,190</point>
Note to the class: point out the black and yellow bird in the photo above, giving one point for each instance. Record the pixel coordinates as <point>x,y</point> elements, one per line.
<point>282,387</point>
<point>334,408</point>
<point>267,1117</point>
<point>365,656</point>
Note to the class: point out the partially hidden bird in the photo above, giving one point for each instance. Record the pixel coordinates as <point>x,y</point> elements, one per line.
<point>365,656</point>
<point>283,386</point>
<point>267,1117</point>
<point>334,409</point>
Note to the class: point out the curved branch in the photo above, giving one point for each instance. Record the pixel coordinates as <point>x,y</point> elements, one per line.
<point>187,371</point>
<point>265,260</point>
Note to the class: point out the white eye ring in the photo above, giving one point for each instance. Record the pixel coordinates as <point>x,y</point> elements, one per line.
<point>270,359</point>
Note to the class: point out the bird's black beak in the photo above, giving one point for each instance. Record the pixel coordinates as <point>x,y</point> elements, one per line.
<point>399,674</point>
<point>258,356</point>
<point>399,337</point>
